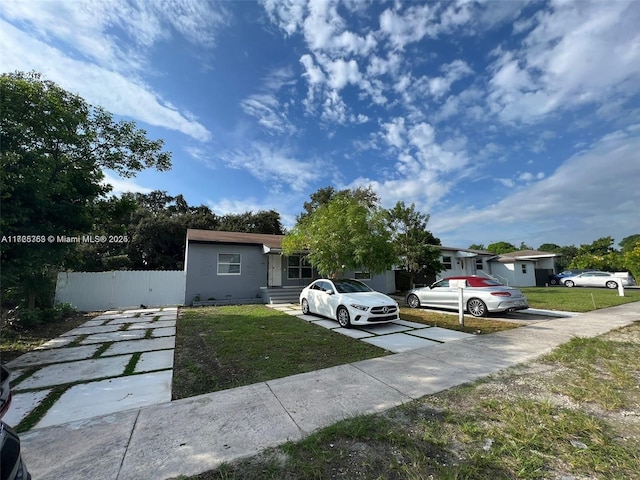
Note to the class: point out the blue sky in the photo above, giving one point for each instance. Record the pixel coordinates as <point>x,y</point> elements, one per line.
<point>504,120</point>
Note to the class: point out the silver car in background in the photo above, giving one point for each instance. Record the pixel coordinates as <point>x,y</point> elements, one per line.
<point>599,279</point>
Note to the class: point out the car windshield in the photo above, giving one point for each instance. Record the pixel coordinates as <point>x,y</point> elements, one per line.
<point>351,286</point>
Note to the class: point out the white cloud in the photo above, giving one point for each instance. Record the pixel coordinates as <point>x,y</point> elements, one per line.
<point>115,92</point>
<point>578,53</point>
<point>276,165</point>
<point>227,206</point>
<point>592,194</point>
<point>120,185</point>
<point>267,109</point>
<point>410,26</point>
<point>91,60</point>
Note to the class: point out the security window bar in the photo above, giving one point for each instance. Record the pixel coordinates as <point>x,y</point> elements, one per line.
<point>229,263</point>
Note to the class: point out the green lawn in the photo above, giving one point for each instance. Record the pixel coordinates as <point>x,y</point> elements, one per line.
<point>225,347</point>
<point>568,415</point>
<point>577,299</point>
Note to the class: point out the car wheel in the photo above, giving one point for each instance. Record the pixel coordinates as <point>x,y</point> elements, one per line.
<point>343,317</point>
<point>413,301</point>
<point>305,306</point>
<point>553,281</point>
<point>569,284</point>
<point>611,284</point>
<point>477,307</point>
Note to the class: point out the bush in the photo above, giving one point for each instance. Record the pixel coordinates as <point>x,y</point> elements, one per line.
<point>27,319</point>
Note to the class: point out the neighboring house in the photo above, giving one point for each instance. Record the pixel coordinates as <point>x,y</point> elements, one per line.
<point>231,267</point>
<point>525,268</point>
<point>462,261</point>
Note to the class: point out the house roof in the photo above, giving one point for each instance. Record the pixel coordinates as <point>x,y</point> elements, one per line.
<point>465,250</point>
<point>530,254</point>
<point>215,236</point>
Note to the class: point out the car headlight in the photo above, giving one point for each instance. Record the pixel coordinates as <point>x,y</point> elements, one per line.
<point>364,308</point>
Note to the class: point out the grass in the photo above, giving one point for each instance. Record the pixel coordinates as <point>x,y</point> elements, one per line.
<point>451,321</point>
<point>577,299</point>
<point>225,347</point>
<point>516,424</point>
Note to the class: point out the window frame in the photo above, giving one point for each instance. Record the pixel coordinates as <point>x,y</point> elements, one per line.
<point>238,263</point>
<point>302,266</point>
<point>447,262</point>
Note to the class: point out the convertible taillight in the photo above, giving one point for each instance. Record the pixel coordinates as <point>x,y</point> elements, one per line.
<point>501,294</point>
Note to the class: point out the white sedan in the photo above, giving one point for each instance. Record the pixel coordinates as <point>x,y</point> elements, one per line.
<point>598,279</point>
<point>350,302</point>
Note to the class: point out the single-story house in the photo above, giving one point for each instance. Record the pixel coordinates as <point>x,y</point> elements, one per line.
<point>525,268</point>
<point>231,267</point>
<point>522,268</point>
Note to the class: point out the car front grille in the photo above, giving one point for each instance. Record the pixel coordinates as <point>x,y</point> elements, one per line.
<point>383,310</point>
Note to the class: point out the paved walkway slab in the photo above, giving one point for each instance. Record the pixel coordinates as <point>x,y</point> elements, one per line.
<point>317,399</point>
<point>383,328</point>
<point>145,345</point>
<point>163,332</point>
<point>189,436</point>
<point>108,396</point>
<point>56,343</point>
<point>89,449</point>
<point>117,336</point>
<point>62,373</point>
<point>150,361</point>
<point>441,334</point>
<point>42,357</point>
<point>413,375</point>
<point>22,405</point>
<point>353,332</point>
<point>330,324</point>
<point>399,342</point>
<point>89,330</point>
<point>156,324</point>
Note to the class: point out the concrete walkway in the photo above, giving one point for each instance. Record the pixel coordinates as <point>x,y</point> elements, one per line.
<point>193,435</point>
<point>114,362</point>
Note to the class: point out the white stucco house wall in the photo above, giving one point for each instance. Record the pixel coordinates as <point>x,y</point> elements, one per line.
<point>522,268</point>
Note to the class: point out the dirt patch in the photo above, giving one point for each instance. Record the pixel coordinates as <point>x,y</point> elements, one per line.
<point>17,341</point>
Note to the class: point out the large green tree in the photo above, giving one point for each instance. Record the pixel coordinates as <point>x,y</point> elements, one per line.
<point>348,232</point>
<point>599,254</point>
<point>500,248</point>
<point>53,147</point>
<point>415,246</point>
<point>629,243</point>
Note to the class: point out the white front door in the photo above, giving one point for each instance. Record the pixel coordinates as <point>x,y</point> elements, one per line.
<point>275,270</point>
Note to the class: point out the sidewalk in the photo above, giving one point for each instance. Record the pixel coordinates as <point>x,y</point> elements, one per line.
<point>193,435</point>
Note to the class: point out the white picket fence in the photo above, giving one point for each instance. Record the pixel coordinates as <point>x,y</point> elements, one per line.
<point>92,291</point>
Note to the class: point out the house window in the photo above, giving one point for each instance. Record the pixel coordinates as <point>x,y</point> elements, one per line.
<point>524,268</point>
<point>478,264</point>
<point>446,261</point>
<point>362,275</point>
<point>298,267</point>
<point>229,263</point>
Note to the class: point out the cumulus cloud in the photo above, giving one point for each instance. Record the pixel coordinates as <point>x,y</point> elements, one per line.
<point>599,181</point>
<point>578,53</point>
<point>88,58</point>
<point>273,164</point>
<point>121,185</point>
